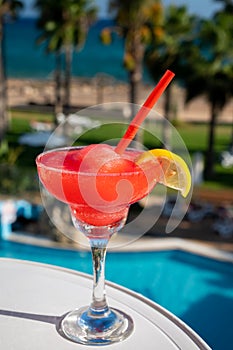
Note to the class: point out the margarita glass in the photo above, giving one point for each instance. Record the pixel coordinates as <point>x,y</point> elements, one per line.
<point>99,182</point>
<point>98,185</point>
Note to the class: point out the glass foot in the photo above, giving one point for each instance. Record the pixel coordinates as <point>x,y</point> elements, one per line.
<point>90,327</point>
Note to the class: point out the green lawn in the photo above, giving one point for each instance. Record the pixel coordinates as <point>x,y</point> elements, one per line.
<point>195,137</point>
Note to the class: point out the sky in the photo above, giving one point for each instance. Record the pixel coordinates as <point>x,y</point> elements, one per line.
<point>204,8</point>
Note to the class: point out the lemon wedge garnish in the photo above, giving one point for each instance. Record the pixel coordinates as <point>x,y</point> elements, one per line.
<point>175,172</point>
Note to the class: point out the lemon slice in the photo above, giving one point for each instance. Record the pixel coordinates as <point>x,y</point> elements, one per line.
<point>175,172</point>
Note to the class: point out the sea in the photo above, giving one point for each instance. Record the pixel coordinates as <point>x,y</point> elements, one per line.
<point>24,58</point>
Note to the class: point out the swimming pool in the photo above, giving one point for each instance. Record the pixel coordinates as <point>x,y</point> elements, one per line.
<point>198,290</point>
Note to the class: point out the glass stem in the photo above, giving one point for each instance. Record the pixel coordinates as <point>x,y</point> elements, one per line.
<point>98,250</point>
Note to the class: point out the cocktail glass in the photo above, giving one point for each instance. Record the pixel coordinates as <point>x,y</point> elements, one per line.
<point>99,201</point>
<point>99,183</point>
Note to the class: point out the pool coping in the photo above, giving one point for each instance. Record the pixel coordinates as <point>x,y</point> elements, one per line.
<point>143,244</point>
<point>174,243</point>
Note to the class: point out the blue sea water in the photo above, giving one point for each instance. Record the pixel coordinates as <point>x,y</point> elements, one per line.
<point>26,59</point>
<point>198,290</point>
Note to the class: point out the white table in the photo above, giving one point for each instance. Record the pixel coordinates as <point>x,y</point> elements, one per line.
<point>33,297</point>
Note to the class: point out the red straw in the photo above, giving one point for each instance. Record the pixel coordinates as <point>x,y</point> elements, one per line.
<point>144,110</point>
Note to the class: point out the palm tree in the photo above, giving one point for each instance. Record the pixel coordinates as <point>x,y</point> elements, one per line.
<point>136,21</point>
<point>47,23</point>
<point>64,25</point>
<point>212,76</point>
<point>169,51</point>
<point>8,8</point>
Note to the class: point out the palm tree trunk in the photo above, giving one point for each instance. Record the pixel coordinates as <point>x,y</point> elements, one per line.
<point>68,64</point>
<point>166,137</point>
<point>3,86</point>
<point>209,165</point>
<point>134,81</point>
<point>133,87</point>
<point>58,107</point>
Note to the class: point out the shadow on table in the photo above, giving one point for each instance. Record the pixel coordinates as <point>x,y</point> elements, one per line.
<point>56,320</point>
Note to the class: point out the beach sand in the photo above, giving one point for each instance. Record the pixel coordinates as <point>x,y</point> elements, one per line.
<point>86,92</point>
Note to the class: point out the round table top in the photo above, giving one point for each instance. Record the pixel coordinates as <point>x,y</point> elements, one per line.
<point>34,297</point>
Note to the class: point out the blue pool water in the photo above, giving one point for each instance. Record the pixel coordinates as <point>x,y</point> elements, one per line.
<point>198,290</point>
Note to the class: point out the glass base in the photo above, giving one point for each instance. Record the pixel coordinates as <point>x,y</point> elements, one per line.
<point>90,327</point>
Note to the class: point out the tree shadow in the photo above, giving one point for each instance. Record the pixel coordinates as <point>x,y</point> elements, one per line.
<point>200,293</point>
<point>212,319</point>
<point>211,315</point>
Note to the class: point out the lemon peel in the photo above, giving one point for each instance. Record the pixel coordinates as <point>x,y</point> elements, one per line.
<point>175,172</point>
